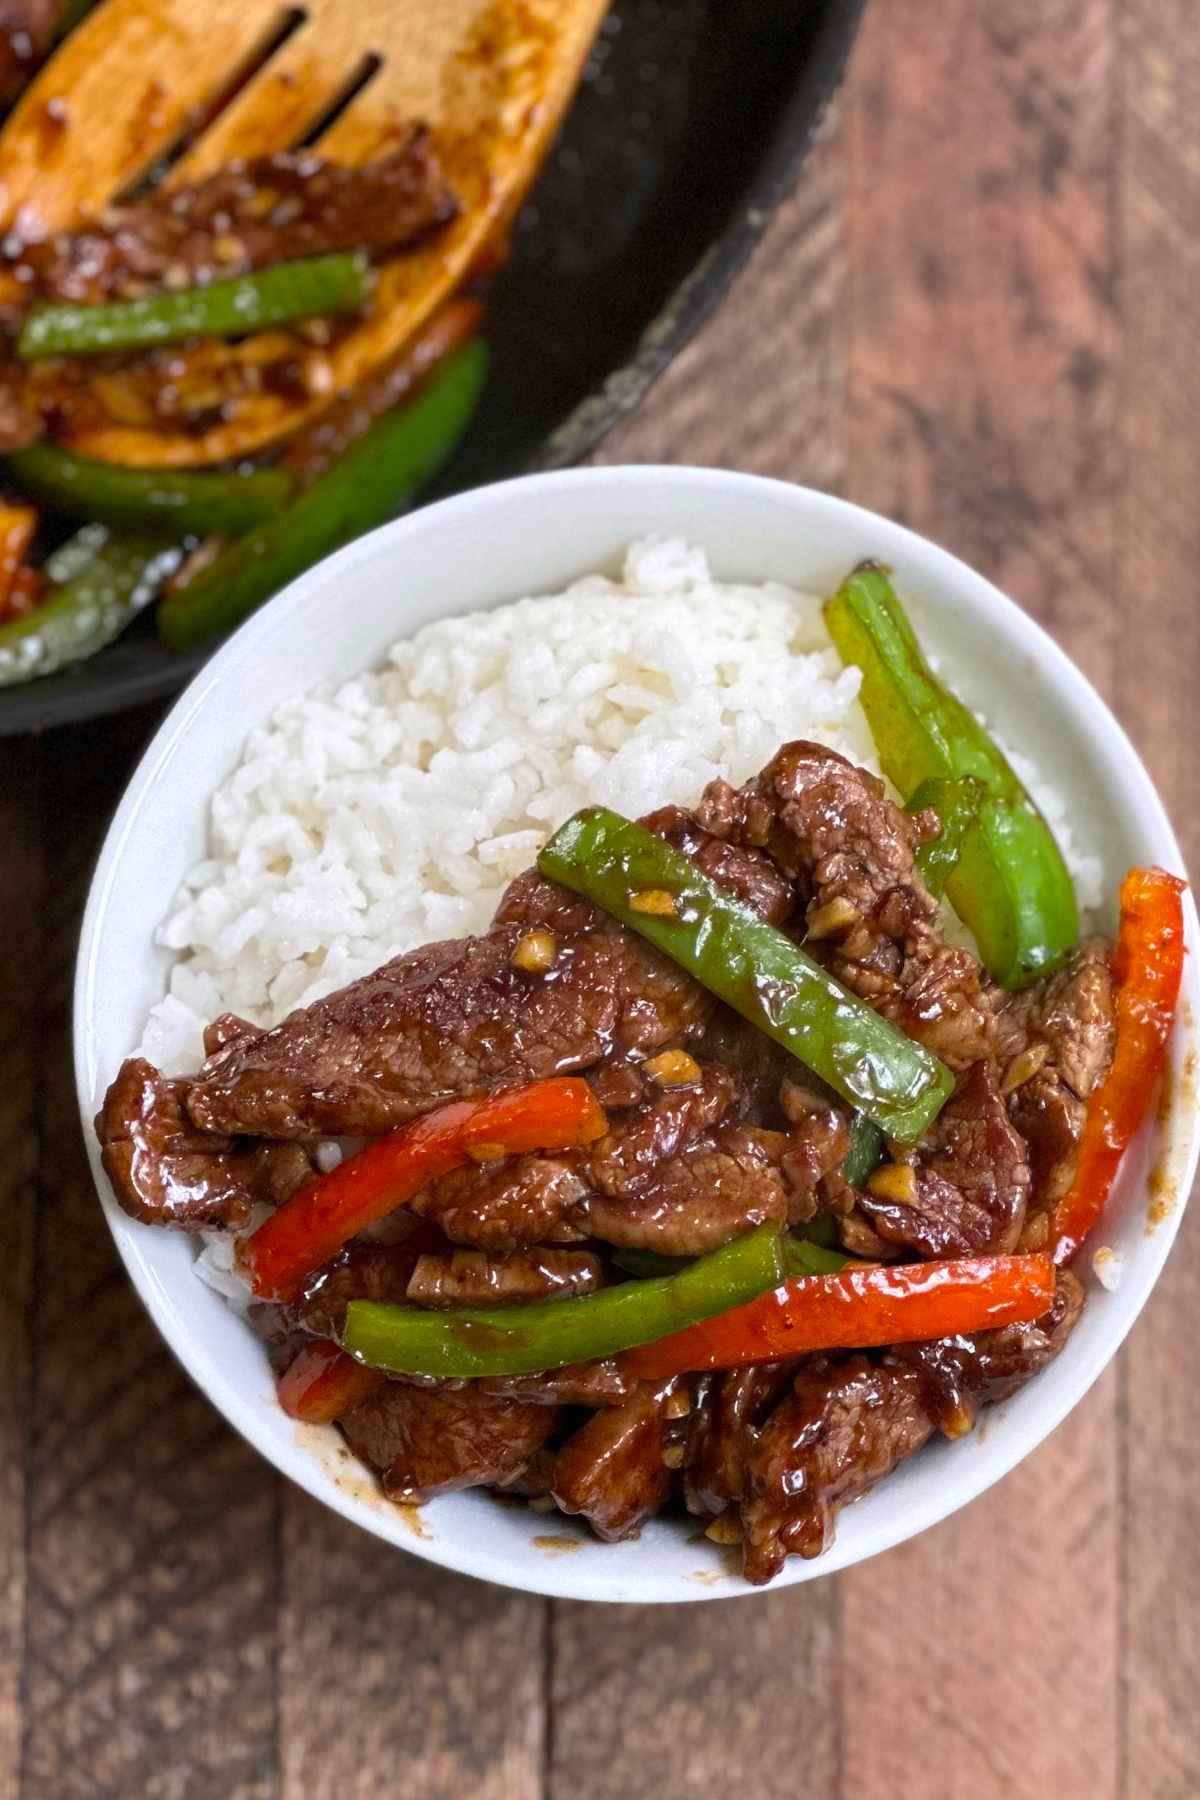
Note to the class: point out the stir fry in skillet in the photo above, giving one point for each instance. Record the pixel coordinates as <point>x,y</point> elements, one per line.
<point>186,308</point>
<point>712,1176</point>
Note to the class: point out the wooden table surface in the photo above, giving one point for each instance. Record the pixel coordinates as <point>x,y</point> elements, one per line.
<point>980,313</point>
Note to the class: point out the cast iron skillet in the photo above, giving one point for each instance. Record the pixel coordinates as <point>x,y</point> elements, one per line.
<point>691,124</point>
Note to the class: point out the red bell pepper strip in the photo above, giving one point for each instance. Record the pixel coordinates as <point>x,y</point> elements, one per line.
<point>17,526</point>
<point>1147,970</point>
<point>856,1309</point>
<point>314,1224</point>
<point>322,1383</point>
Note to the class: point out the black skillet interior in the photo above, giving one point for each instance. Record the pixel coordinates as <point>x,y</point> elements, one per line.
<point>692,120</point>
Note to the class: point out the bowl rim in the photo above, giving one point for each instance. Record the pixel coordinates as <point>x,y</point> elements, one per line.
<point>242,1410</point>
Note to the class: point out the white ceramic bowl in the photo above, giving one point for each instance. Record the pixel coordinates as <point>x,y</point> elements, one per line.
<point>496,544</point>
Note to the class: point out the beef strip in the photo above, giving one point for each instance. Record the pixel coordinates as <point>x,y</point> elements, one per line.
<point>618,1085</point>
<point>602,1383</point>
<point>165,1172</point>
<point>447,1278</point>
<point>818,1143</point>
<point>533,1481</point>
<point>716,1189</point>
<point>747,873</point>
<point>359,1272</point>
<point>729,1408</point>
<point>446,1021</point>
<point>833,830</point>
<point>426,1441</point>
<point>27,31</point>
<point>759,1063</point>
<point>972,1180</point>
<point>849,1420</point>
<point>507,1205</point>
<point>224,1031</point>
<point>245,216</point>
<point>680,1176</point>
<point>635,1149</point>
<point>1055,1047</point>
<point>844,1425</point>
<point>612,1470</point>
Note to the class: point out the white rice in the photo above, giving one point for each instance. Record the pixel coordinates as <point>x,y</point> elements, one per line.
<point>367,819</point>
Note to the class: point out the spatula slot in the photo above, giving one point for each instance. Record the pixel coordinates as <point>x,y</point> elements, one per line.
<point>204,116</point>
<point>344,97</point>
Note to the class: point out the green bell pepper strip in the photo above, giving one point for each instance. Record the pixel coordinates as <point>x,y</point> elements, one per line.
<point>310,288</point>
<point>801,1256</point>
<point>805,1257</point>
<point>182,500</point>
<point>865,1153</point>
<point>370,482</point>
<point>1009,884</point>
<point>101,582</point>
<point>957,804</point>
<point>524,1340</point>
<point>752,966</point>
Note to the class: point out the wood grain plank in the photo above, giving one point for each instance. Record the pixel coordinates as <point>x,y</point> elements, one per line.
<point>982,295</point>
<point>22,891</point>
<point>397,1678</point>
<point>1159,553</point>
<point>151,1633</point>
<point>697,1701</point>
<point>670,1700</point>
<point>761,387</point>
<point>982,411</point>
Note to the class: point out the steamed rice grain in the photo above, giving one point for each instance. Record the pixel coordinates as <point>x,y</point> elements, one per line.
<point>367,819</point>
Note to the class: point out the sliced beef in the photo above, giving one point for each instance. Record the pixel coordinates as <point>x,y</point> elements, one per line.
<point>850,851</point>
<point>532,901</point>
<point>680,1176</point>
<point>165,1172</point>
<point>971,1180</point>
<point>446,1278</point>
<point>618,1085</point>
<point>359,1272</point>
<point>446,1021</point>
<point>533,1481</point>
<point>245,216</point>
<point>818,1143</point>
<point>506,1205</point>
<point>729,1409</point>
<point>721,1186</point>
<point>426,1441</point>
<point>27,30</point>
<point>828,825</point>
<point>1055,1047</point>
<point>223,1031</point>
<point>642,1141</point>
<point>844,1425</point>
<point>747,873</point>
<point>602,1383</point>
<point>849,1420</point>
<point>612,1470</point>
<point>759,1064</point>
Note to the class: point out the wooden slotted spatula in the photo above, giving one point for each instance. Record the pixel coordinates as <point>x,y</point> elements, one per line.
<point>490,77</point>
